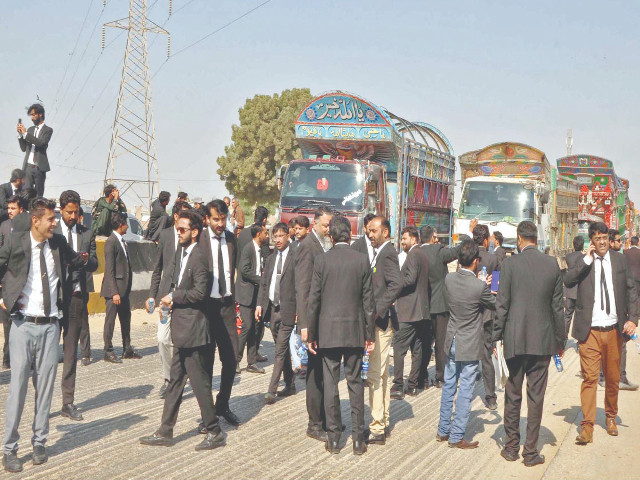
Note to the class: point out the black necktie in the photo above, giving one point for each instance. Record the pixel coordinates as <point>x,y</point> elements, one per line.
<point>222,283</point>
<point>276,291</point>
<point>70,238</point>
<point>46,293</point>
<point>604,291</point>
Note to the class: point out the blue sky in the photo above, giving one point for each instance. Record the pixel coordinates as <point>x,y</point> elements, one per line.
<point>482,72</point>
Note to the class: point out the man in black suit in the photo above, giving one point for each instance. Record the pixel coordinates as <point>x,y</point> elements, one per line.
<point>632,256</point>
<point>316,243</point>
<point>363,244</point>
<point>250,271</point>
<point>606,309</point>
<point>159,217</point>
<point>220,249</point>
<point>387,283</point>
<point>414,322</point>
<point>9,189</point>
<point>34,142</point>
<point>491,263</point>
<point>341,323</point>
<point>277,303</point>
<point>571,293</point>
<point>32,268</point>
<point>77,285</point>
<point>116,287</point>
<point>302,226</point>
<point>530,323</point>
<point>498,249</point>
<point>191,337</point>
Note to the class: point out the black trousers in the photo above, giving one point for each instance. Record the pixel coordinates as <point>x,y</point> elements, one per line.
<point>315,393</point>
<point>410,335</point>
<point>123,311</point>
<point>75,316</point>
<point>222,328</point>
<point>536,369</point>
<point>190,363</point>
<point>35,178</point>
<point>282,361</point>
<point>569,307</point>
<point>331,360</point>
<point>248,335</point>
<point>440,322</point>
<point>259,335</point>
<point>488,370</point>
<point>6,325</point>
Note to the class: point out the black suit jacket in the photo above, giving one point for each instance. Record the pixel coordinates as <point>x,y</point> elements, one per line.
<point>6,228</point>
<point>387,283</point>
<point>15,261</point>
<point>439,256</point>
<point>413,302</point>
<point>341,305</point>
<point>287,286</point>
<point>189,326</point>
<point>41,142</point>
<point>632,255</point>
<point>360,245</point>
<point>248,281</point>
<point>84,275</point>
<point>530,307</point>
<point>117,270</point>
<point>244,237</point>
<point>624,289</point>
<point>22,222</point>
<point>232,248</point>
<point>6,191</point>
<point>572,259</point>
<point>306,253</point>
<point>157,220</point>
<point>163,269</point>
<point>501,254</point>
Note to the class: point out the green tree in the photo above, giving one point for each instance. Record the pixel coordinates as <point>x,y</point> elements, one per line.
<point>264,140</point>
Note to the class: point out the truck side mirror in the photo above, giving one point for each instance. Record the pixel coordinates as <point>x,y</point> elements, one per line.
<point>280,176</point>
<point>544,197</point>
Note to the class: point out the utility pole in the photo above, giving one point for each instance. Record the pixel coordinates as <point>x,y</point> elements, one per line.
<point>569,142</point>
<point>133,133</point>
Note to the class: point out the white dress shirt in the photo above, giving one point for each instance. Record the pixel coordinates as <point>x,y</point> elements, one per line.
<point>32,151</point>
<point>402,256</point>
<point>74,244</point>
<point>183,263</point>
<point>370,250</point>
<point>374,260</point>
<point>599,318</point>
<point>258,258</point>
<point>272,283</point>
<point>32,299</point>
<point>176,240</point>
<point>226,264</point>
<point>119,237</point>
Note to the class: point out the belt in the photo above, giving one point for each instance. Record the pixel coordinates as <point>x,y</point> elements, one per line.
<point>604,329</point>
<point>40,320</point>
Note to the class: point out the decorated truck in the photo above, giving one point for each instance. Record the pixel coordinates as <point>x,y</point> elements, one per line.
<point>359,158</point>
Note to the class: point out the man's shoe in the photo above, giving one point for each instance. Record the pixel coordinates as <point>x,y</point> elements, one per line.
<point>39,455</point>
<point>111,357</point>
<point>492,404</point>
<point>287,391</point>
<point>437,383</point>
<point>269,398</point>
<point>157,440</point>
<point>627,385</point>
<point>612,429</point>
<point>163,389</point>
<point>359,447</point>
<point>230,417</point>
<point>202,430</point>
<point>261,358</point>
<point>86,361</point>
<point>319,435</point>
<point>211,441</point>
<point>509,456</point>
<point>412,392</point>
<point>463,444</point>
<point>532,462</point>
<point>586,436</point>
<point>131,354</point>
<point>11,462</point>
<point>376,439</point>
<point>332,447</point>
<point>442,438</point>
<point>254,369</point>
<point>71,411</point>
<point>397,393</point>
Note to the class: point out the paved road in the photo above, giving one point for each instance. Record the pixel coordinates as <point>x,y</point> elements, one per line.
<point>120,404</point>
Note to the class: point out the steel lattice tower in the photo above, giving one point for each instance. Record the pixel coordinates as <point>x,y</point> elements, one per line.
<point>133,133</point>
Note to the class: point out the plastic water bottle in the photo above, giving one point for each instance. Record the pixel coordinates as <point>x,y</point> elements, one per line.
<point>634,337</point>
<point>483,274</point>
<point>165,314</point>
<point>365,366</point>
<point>152,305</point>
<point>556,358</point>
<point>303,354</point>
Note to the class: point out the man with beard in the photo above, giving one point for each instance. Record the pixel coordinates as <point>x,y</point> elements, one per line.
<point>34,142</point>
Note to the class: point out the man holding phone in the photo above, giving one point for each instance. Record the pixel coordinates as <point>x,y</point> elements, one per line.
<point>34,142</point>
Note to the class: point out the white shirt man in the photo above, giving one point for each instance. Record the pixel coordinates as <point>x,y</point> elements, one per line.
<point>600,317</point>
<point>215,289</point>
<point>32,299</point>
<point>280,259</point>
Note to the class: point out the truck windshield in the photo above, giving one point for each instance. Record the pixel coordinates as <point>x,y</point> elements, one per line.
<point>497,202</point>
<point>340,185</point>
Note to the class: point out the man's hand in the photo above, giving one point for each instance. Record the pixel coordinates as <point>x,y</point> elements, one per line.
<point>561,353</point>
<point>21,129</point>
<point>369,346</point>
<point>313,347</point>
<point>495,352</point>
<point>489,277</point>
<point>116,299</point>
<point>304,335</point>
<point>146,305</point>
<point>258,313</point>
<point>2,305</point>
<point>85,256</point>
<point>473,224</point>
<point>166,301</point>
<point>629,328</point>
<point>590,249</point>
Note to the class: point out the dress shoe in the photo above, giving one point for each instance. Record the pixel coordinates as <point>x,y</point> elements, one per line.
<point>378,439</point>
<point>627,385</point>
<point>442,438</point>
<point>71,411</point>
<point>302,373</point>
<point>131,354</point>
<point>86,361</point>
<point>230,417</point>
<point>202,430</point>
<point>359,447</point>
<point>332,447</point>
<point>586,436</point>
<point>463,444</point>
<point>111,357</point>
<point>39,455</point>
<point>211,441</point>
<point>269,398</point>
<point>287,391</point>
<point>397,393</point>
<point>11,462</point>
<point>437,383</point>
<point>412,392</point>
<point>254,369</point>
<point>492,404</point>
<point>533,461</point>
<point>612,429</point>
<point>320,435</point>
<point>261,358</point>
<point>163,389</point>
<point>509,456</point>
<point>157,440</point>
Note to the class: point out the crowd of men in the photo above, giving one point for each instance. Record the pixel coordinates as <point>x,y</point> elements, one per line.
<point>351,304</point>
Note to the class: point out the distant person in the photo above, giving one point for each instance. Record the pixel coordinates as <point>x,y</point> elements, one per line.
<point>570,293</point>
<point>104,208</point>
<point>34,142</point>
<point>498,249</point>
<point>632,255</point>
<point>231,226</point>
<point>363,244</point>
<point>9,189</point>
<point>237,215</point>
<point>182,197</point>
<point>159,217</point>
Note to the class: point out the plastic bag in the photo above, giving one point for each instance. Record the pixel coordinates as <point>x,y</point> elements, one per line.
<point>502,372</point>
